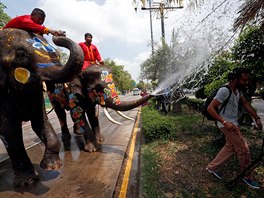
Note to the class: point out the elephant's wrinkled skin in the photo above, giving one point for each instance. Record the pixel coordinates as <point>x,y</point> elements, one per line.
<point>93,86</point>
<point>21,99</point>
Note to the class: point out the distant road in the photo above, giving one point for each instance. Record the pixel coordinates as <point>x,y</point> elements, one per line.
<point>258,104</point>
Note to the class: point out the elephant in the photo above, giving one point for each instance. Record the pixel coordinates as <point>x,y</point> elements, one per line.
<point>90,87</point>
<point>26,60</point>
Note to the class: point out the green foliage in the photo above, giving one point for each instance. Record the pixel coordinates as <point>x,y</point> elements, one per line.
<point>194,103</point>
<point>249,51</point>
<point>122,78</point>
<point>218,72</point>
<point>159,127</point>
<point>156,126</point>
<point>157,66</point>
<point>4,18</point>
<point>150,172</point>
<point>176,168</point>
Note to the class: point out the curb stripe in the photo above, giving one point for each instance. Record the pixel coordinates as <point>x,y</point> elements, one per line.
<point>123,189</point>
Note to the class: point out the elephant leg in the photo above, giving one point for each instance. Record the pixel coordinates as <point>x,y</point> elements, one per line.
<point>46,133</point>
<point>78,117</point>
<point>11,135</point>
<point>61,114</point>
<point>94,122</point>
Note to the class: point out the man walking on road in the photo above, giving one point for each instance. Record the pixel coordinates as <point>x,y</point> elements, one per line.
<point>228,124</point>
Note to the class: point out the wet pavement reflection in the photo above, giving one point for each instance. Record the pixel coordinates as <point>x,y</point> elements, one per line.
<point>82,174</point>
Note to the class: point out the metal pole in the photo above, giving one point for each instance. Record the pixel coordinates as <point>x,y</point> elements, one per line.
<point>162,21</point>
<point>151,29</point>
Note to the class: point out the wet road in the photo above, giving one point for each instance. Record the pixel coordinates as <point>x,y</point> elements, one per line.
<point>82,174</point>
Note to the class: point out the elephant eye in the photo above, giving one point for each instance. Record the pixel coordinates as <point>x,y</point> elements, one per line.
<point>22,56</point>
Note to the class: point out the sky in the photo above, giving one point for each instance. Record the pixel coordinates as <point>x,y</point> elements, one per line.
<point>119,32</point>
<point>123,35</point>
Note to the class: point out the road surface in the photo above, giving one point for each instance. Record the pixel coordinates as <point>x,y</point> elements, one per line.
<point>83,174</point>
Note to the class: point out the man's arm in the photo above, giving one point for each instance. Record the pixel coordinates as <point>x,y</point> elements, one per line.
<point>26,23</point>
<point>212,110</point>
<point>98,56</point>
<point>251,111</point>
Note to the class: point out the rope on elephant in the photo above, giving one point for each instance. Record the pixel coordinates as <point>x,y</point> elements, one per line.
<point>50,111</point>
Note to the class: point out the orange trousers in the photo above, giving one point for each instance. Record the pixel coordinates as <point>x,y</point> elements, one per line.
<point>235,144</point>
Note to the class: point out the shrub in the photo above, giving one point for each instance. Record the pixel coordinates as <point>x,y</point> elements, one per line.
<point>156,126</point>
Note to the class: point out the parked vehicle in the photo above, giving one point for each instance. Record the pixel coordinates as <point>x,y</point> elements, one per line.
<point>136,91</point>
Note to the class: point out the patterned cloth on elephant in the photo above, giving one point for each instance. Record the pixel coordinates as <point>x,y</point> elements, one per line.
<point>69,101</point>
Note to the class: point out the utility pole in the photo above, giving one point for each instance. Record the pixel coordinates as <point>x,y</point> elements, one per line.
<point>151,29</point>
<point>161,9</point>
<point>135,5</point>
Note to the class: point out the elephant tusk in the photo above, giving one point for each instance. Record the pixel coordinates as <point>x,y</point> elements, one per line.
<point>44,86</point>
<point>109,117</point>
<point>124,116</point>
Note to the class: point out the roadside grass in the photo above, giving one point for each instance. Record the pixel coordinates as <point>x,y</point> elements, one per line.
<point>176,152</point>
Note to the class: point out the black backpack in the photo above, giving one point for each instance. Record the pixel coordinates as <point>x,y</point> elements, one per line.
<point>209,100</point>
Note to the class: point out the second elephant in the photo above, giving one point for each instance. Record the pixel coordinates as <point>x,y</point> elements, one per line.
<point>91,87</point>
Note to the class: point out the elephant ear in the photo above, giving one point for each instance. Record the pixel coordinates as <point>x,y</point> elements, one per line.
<point>75,86</point>
<point>92,77</point>
<point>97,83</point>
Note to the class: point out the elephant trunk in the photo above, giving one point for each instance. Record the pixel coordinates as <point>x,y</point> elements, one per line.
<point>127,105</point>
<point>58,73</point>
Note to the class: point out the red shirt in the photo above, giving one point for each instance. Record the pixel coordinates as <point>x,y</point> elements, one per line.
<point>25,23</point>
<point>91,55</point>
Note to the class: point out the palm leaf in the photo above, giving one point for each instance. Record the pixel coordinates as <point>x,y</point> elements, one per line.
<point>251,10</point>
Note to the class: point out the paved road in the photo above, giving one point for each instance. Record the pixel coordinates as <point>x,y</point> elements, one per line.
<point>258,104</point>
<point>82,174</point>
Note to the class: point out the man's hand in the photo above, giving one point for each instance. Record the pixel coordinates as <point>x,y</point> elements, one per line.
<point>230,126</point>
<point>101,62</point>
<point>57,32</point>
<point>259,123</point>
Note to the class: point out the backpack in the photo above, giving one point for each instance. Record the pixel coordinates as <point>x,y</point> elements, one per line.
<point>209,100</point>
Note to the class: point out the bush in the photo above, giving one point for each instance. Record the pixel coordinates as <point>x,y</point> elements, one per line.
<point>196,104</point>
<point>156,126</point>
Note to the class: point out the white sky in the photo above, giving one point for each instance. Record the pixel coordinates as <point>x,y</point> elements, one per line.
<point>123,35</point>
<point>119,32</point>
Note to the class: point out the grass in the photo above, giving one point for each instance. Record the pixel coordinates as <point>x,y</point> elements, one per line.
<point>174,164</point>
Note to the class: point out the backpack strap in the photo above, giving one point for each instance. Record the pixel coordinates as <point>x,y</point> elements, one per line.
<point>226,100</point>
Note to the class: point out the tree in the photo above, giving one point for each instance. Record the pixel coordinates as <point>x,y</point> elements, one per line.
<point>249,51</point>
<point>252,10</point>
<point>4,18</point>
<point>122,78</point>
<point>157,66</point>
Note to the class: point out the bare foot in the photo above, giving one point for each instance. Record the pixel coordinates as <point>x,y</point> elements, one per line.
<point>25,178</point>
<point>89,147</point>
